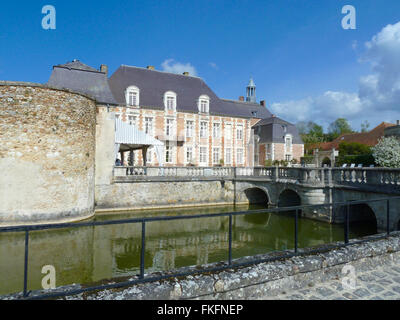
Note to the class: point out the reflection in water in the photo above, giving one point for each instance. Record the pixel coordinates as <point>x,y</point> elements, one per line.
<point>85,255</point>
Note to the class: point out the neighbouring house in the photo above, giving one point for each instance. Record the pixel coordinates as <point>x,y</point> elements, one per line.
<point>329,150</point>
<point>277,139</point>
<point>195,126</point>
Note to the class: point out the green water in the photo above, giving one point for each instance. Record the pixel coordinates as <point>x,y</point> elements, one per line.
<point>91,254</point>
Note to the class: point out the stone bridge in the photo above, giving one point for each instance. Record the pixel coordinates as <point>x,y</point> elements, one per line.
<point>157,187</point>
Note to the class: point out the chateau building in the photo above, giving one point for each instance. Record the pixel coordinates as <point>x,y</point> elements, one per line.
<point>195,125</point>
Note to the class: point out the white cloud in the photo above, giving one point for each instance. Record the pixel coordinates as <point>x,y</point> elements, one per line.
<point>170,65</point>
<point>214,65</point>
<point>378,97</point>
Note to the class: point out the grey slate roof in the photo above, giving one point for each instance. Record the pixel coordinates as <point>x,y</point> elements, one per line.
<point>82,78</point>
<point>272,130</point>
<point>153,85</point>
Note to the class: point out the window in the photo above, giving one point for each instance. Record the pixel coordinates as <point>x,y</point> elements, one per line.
<point>148,125</point>
<point>189,129</point>
<point>149,155</point>
<point>288,144</point>
<point>239,156</point>
<point>228,156</point>
<point>204,104</point>
<point>228,132</point>
<point>203,155</point>
<point>216,156</point>
<point>216,130</point>
<point>239,132</point>
<point>132,96</point>
<point>117,116</point>
<point>170,101</point>
<point>189,154</point>
<point>168,152</point>
<point>132,120</point>
<point>268,152</point>
<point>169,127</point>
<point>203,129</point>
<point>288,157</point>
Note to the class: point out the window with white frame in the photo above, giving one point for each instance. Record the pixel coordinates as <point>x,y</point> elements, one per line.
<point>168,152</point>
<point>228,131</point>
<point>216,155</point>
<point>169,127</point>
<point>268,152</point>
<point>132,96</point>
<point>189,128</point>
<point>170,101</point>
<point>132,120</point>
<point>288,157</point>
<point>203,155</point>
<point>203,129</point>
<point>288,143</point>
<point>216,130</point>
<point>239,132</point>
<point>189,154</point>
<point>239,156</point>
<point>204,104</point>
<point>149,155</point>
<point>118,116</point>
<point>148,125</point>
<point>228,156</point>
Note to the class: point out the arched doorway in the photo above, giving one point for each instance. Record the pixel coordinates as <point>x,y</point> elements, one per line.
<point>257,196</point>
<point>326,162</point>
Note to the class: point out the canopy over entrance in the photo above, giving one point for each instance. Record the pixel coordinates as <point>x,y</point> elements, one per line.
<point>129,138</point>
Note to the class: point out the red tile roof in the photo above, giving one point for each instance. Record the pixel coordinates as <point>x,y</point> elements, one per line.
<point>369,138</point>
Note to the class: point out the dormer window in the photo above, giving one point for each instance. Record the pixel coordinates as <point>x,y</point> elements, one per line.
<point>170,101</point>
<point>204,104</point>
<point>132,96</point>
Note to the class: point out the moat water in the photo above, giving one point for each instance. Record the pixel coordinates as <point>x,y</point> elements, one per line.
<point>90,254</point>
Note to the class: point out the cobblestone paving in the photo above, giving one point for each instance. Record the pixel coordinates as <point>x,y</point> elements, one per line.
<point>380,284</point>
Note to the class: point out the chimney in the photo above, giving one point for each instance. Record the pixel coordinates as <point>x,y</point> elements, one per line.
<point>104,69</point>
<point>186,73</point>
<point>150,67</point>
<point>262,102</point>
<point>241,98</point>
<point>398,122</point>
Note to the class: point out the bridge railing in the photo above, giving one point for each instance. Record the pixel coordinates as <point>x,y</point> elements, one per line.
<point>364,176</point>
<point>314,176</point>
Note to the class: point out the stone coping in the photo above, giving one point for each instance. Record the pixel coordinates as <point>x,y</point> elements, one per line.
<point>45,86</point>
<point>257,280</point>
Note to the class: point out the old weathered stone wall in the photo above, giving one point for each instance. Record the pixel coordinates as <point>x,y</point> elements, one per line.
<point>47,154</point>
<point>151,194</point>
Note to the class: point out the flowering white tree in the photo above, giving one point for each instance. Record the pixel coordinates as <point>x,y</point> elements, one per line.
<point>387,152</point>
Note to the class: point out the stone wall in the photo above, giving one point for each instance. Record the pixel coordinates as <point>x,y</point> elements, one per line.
<point>47,154</point>
<point>155,194</point>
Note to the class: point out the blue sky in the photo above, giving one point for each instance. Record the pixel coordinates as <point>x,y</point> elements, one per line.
<point>305,65</point>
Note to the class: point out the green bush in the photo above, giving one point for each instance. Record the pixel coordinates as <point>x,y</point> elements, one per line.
<point>364,159</point>
<point>308,159</point>
<point>268,163</point>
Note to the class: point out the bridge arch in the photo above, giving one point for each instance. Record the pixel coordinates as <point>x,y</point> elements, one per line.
<point>257,195</point>
<point>364,216</point>
<point>289,198</point>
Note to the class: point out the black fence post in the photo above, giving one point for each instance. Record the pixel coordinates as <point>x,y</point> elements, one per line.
<point>296,231</point>
<point>26,263</point>
<point>230,239</point>
<point>346,225</point>
<point>387,217</point>
<point>143,248</point>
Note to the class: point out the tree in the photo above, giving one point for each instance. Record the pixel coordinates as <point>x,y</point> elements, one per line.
<point>387,152</point>
<point>364,126</point>
<point>310,132</point>
<point>339,127</point>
